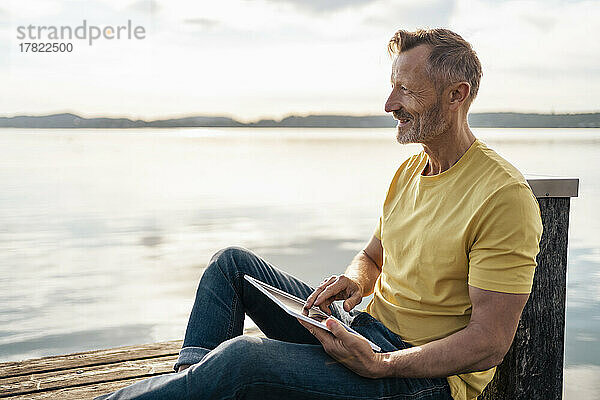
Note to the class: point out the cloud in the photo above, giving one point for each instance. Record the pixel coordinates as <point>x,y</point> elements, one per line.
<point>4,18</point>
<point>540,35</point>
<point>269,58</point>
<point>324,5</point>
<point>203,23</point>
<point>544,23</point>
<point>145,6</point>
<point>405,15</point>
<point>537,55</point>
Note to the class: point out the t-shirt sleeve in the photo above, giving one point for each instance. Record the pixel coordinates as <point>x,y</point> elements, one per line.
<point>508,230</point>
<point>377,232</point>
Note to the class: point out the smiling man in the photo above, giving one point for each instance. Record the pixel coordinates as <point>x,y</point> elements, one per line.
<point>450,265</point>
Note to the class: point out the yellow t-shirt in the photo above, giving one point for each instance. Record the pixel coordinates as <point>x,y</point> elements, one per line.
<point>478,223</point>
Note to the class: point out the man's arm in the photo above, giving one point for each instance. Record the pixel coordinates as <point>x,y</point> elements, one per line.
<point>482,344</point>
<point>366,266</point>
<point>357,282</point>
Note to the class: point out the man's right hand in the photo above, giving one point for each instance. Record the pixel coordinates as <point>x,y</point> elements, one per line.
<point>335,288</point>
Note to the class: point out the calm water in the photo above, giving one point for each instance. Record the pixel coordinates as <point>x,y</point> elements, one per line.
<point>104,234</point>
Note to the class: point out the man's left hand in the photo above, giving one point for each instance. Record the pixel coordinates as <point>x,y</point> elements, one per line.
<point>349,349</point>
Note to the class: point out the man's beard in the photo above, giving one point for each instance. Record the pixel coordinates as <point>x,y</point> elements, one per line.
<point>429,125</point>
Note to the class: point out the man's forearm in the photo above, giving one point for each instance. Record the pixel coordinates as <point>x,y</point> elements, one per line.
<point>471,349</point>
<point>364,271</point>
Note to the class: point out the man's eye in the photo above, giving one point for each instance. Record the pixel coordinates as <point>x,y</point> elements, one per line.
<point>402,87</point>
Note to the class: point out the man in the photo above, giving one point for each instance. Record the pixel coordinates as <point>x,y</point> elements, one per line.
<point>450,264</point>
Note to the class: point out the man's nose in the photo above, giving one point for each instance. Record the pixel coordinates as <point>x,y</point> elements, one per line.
<point>392,103</point>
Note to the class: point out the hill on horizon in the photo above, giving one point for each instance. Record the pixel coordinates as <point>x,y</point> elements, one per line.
<point>476,120</point>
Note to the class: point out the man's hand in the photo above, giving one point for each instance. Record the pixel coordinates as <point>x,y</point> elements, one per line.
<point>349,349</point>
<point>335,288</point>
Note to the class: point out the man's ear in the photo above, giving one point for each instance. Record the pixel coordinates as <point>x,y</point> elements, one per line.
<point>458,94</point>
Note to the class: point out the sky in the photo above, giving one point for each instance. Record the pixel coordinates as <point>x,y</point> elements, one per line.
<point>252,59</point>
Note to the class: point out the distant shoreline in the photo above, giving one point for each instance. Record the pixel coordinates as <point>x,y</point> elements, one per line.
<point>476,120</point>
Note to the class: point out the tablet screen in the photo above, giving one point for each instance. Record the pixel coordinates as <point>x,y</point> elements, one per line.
<point>292,302</point>
<point>295,306</point>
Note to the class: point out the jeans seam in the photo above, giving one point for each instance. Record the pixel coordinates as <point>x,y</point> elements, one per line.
<point>416,395</point>
<point>231,320</point>
<point>236,299</point>
<point>234,302</point>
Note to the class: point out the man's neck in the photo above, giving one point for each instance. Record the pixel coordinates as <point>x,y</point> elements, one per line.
<point>445,150</point>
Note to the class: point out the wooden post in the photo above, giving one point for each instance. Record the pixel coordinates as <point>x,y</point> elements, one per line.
<point>533,367</point>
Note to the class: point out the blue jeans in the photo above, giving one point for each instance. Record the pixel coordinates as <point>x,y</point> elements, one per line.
<point>289,364</point>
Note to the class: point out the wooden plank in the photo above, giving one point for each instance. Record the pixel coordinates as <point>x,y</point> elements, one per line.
<point>78,393</point>
<point>533,367</point>
<point>89,358</point>
<point>96,357</point>
<point>86,375</point>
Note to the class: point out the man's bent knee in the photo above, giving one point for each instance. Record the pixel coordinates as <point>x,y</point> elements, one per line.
<point>230,260</point>
<point>231,253</point>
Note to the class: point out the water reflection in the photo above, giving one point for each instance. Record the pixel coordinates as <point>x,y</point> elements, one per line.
<point>104,235</point>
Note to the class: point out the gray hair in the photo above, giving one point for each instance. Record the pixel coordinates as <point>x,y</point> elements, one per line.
<point>452,59</point>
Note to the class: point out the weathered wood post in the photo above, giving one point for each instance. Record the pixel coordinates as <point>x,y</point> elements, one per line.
<point>533,367</point>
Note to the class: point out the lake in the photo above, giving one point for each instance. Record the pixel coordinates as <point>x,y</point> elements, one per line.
<point>105,233</point>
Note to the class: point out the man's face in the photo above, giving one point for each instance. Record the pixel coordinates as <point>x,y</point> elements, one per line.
<point>414,100</point>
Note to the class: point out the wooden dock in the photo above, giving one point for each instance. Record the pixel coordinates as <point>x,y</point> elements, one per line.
<point>89,374</point>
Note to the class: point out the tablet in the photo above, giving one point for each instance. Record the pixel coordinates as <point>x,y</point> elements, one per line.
<point>295,307</point>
